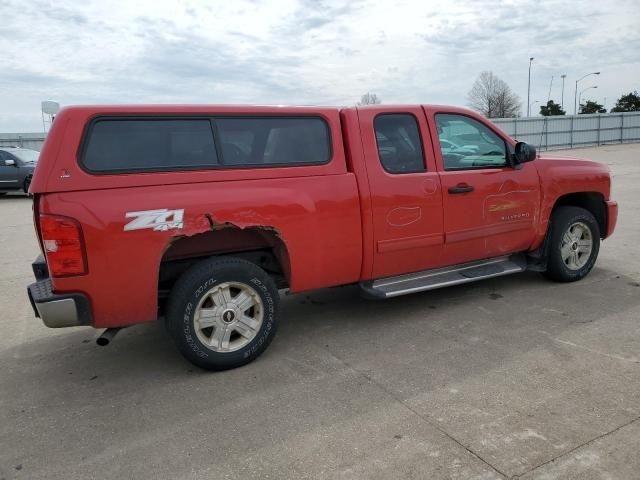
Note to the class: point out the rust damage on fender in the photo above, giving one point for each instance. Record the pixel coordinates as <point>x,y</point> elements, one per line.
<point>207,222</point>
<point>208,235</point>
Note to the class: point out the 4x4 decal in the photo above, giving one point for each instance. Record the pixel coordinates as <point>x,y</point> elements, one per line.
<point>159,220</point>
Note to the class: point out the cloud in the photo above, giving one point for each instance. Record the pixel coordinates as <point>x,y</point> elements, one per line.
<point>311,14</point>
<point>201,64</point>
<point>303,51</point>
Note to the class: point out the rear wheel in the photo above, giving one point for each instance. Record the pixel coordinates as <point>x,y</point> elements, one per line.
<point>222,313</point>
<point>574,243</point>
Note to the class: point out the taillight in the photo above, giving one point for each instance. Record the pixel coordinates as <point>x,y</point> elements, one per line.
<point>63,245</point>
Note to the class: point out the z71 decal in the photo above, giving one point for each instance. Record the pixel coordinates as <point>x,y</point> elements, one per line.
<point>158,220</point>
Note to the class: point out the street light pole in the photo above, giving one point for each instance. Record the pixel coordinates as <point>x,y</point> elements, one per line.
<point>575,95</point>
<point>529,86</point>
<point>563,76</point>
<point>588,88</point>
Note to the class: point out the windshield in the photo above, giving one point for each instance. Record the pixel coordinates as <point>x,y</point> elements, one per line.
<point>27,156</point>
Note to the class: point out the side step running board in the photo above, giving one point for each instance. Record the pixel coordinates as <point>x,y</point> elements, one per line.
<point>444,277</point>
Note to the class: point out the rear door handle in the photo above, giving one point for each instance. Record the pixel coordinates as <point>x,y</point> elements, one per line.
<point>461,188</point>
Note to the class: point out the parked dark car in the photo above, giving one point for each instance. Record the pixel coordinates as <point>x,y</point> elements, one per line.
<point>16,168</point>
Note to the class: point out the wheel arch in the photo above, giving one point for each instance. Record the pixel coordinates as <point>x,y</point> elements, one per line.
<point>260,245</point>
<point>593,202</point>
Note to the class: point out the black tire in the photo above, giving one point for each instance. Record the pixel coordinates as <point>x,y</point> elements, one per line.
<point>561,220</point>
<point>187,294</point>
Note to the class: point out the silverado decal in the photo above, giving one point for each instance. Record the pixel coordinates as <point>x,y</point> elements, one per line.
<point>159,220</point>
<point>515,216</point>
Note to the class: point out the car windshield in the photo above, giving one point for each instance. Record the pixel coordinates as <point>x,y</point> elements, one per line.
<point>27,156</point>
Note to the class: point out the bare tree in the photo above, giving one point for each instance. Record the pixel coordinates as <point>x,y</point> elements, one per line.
<point>369,99</point>
<point>493,98</point>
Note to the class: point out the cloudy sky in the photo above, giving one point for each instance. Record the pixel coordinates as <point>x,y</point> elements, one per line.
<point>306,51</point>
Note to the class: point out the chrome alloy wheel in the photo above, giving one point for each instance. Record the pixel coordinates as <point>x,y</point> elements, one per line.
<point>228,317</point>
<point>577,244</point>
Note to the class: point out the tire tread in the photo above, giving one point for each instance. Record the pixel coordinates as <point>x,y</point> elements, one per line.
<point>183,290</point>
<point>561,218</point>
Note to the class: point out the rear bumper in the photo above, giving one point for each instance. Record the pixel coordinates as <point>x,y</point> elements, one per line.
<point>612,217</point>
<point>57,310</point>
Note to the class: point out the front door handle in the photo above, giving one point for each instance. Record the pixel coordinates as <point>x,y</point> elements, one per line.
<point>461,188</point>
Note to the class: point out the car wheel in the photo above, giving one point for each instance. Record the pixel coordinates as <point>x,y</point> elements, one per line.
<point>222,313</point>
<point>574,243</point>
<point>27,183</point>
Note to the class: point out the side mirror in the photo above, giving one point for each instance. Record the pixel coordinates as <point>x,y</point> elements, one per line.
<point>524,153</point>
<point>10,163</point>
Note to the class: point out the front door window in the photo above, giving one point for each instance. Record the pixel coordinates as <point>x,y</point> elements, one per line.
<point>467,144</point>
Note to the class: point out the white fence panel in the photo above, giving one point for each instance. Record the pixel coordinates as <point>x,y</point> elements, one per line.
<point>33,141</point>
<point>547,133</point>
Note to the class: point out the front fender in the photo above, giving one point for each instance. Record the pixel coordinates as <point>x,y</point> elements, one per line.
<point>560,177</point>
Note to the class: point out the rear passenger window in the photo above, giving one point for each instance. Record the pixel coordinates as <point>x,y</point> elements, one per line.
<point>273,141</point>
<point>399,144</point>
<point>158,144</point>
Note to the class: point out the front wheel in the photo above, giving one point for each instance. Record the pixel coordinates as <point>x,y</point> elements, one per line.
<point>222,313</point>
<point>574,243</point>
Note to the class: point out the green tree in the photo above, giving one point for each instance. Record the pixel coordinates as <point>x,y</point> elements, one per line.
<point>592,107</point>
<point>628,103</point>
<point>550,109</point>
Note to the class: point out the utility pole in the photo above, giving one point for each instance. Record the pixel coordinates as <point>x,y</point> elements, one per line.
<point>529,86</point>
<point>563,76</point>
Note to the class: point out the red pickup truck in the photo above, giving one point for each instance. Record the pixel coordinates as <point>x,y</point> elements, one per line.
<point>199,215</point>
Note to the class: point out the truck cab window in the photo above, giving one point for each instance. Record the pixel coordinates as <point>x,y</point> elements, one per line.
<point>399,144</point>
<point>466,143</point>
